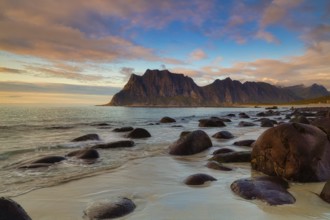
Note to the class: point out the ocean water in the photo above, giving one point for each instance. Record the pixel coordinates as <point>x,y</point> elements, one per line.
<point>30,132</point>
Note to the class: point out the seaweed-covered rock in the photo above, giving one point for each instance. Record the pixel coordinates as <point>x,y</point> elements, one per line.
<point>11,210</point>
<point>198,179</point>
<point>87,137</point>
<point>108,210</point>
<point>272,190</point>
<point>192,143</point>
<point>139,133</point>
<point>294,151</point>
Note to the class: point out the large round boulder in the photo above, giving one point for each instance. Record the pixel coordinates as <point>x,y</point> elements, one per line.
<point>192,143</point>
<point>294,151</point>
<point>108,209</point>
<point>10,210</point>
<point>272,190</point>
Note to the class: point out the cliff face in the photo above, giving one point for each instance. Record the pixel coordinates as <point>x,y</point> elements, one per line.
<point>163,88</point>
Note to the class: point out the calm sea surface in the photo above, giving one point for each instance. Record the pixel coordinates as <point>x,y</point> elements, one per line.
<point>29,132</point>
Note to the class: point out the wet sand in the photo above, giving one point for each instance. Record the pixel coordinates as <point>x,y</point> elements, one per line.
<point>155,184</point>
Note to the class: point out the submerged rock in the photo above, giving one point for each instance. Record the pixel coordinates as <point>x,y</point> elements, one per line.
<point>11,210</point>
<point>139,133</point>
<point>109,210</point>
<point>222,151</point>
<point>246,124</point>
<point>232,157</point>
<point>223,135</point>
<point>294,151</point>
<point>247,143</point>
<point>86,154</point>
<point>123,129</point>
<point>211,122</point>
<point>44,162</point>
<point>87,137</point>
<point>167,120</point>
<point>217,166</point>
<point>198,179</point>
<point>192,143</point>
<point>116,144</point>
<point>272,190</point>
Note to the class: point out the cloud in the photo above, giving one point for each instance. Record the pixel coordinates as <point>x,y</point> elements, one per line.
<point>261,34</point>
<point>197,55</point>
<point>56,88</point>
<point>10,70</point>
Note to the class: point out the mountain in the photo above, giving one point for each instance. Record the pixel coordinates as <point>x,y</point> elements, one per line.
<point>311,92</point>
<point>163,88</point>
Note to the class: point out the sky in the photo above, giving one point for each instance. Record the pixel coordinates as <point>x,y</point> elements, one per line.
<point>83,51</point>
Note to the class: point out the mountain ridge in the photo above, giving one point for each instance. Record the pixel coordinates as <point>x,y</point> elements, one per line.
<point>163,88</point>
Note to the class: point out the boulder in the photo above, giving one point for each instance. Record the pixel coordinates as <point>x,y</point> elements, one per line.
<point>167,120</point>
<point>232,157</point>
<point>272,190</point>
<point>108,210</point>
<point>211,122</point>
<point>243,115</point>
<point>323,123</point>
<point>10,210</point>
<point>246,143</point>
<point>123,129</point>
<point>139,133</point>
<point>86,154</point>
<point>223,135</point>
<point>325,194</point>
<point>43,162</point>
<point>294,151</point>
<point>192,143</point>
<point>300,119</point>
<point>217,166</point>
<point>265,122</point>
<point>116,144</point>
<point>246,124</point>
<point>87,137</point>
<point>198,179</point>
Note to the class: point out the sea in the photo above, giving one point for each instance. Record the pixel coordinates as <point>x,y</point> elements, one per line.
<point>29,132</point>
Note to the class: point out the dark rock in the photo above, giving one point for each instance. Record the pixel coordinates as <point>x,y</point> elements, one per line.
<point>167,120</point>
<point>49,159</point>
<point>176,126</point>
<point>323,124</point>
<point>116,144</point>
<point>123,129</point>
<point>198,179</point>
<point>225,119</point>
<point>268,113</point>
<point>10,210</point>
<point>231,115</point>
<point>86,154</point>
<point>267,123</point>
<point>217,166</point>
<point>272,190</point>
<point>223,135</point>
<point>192,143</point>
<point>232,157</point>
<point>101,124</point>
<point>139,133</point>
<point>300,119</point>
<point>108,210</point>
<point>243,115</point>
<point>294,151</point>
<point>246,143</point>
<point>211,122</point>
<point>184,133</point>
<point>325,194</point>
<point>246,124</point>
<point>272,108</point>
<point>222,151</point>
<point>87,137</point>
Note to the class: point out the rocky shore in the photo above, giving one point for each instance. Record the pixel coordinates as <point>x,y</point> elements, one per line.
<point>293,149</point>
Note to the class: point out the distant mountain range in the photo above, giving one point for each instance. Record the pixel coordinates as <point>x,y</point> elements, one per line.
<point>163,88</point>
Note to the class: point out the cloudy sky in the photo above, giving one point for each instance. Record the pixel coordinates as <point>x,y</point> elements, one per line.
<point>83,51</point>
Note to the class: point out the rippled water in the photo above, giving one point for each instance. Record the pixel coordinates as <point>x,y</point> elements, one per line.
<point>28,132</point>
